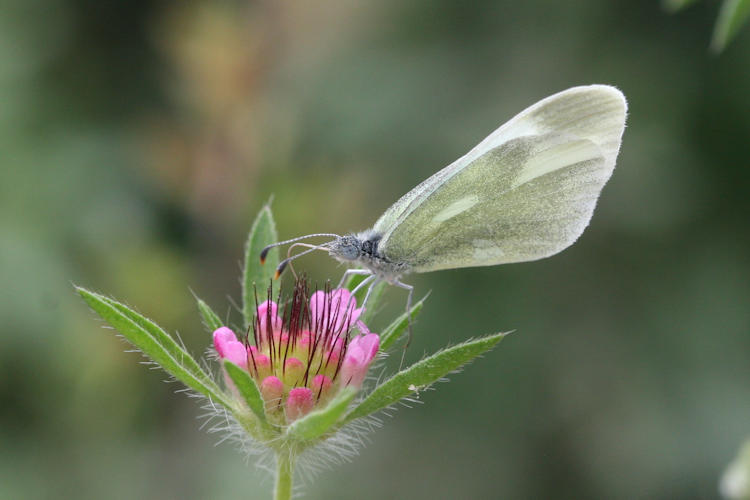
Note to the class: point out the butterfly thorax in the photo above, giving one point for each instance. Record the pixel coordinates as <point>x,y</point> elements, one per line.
<point>362,249</point>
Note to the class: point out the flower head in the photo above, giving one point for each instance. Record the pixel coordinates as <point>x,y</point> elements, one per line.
<point>304,358</point>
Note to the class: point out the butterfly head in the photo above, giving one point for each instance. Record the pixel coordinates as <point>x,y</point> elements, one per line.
<point>361,247</point>
<point>346,248</point>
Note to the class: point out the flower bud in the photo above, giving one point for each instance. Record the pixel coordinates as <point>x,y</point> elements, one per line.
<point>299,403</point>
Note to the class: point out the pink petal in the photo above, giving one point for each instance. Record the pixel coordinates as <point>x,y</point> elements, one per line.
<point>321,382</point>
<point>364,347</point>
<point>258,363</point>
<point>339,304</point>
<point>341,297</point>
<point>294,370</point>
<point>262,313</point>
<point>356,314</point>
<point>272,389</point>
<point>265,305</point>
<point>318,308</point>
<point>222,336</point>
<point>363,328</point>
<point>321,386</point>
<point>344,307</point>
<point>352,372</point>
<point>359,354</point>
<point>236,352</point>
<point>337,345</point>
<point>370,344</point>
<point>299,403</point>
<point>305,340</point>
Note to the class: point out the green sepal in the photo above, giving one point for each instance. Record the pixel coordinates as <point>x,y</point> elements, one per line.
<point>247,388</point>
<point>210,319</point>
<point>317,423</point>
<point>154,343</point>
<point>732,15</point>
<point>422,374</point>
<point>394,331</point>
<point>262,233</point>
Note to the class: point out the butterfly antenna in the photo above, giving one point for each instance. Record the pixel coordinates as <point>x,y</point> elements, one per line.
<point>292,257</point>
<point>264,252</point>
<point>282,265</point>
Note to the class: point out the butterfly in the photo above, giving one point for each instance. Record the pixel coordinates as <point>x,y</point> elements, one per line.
<point>525,192</point>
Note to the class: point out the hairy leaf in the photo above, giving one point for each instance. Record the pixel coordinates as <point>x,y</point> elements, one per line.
<point>317,423</point>
<point>422,374</point>
<point>247,388</point>
<point>210,318</point>
<point>155,343</point>
<point>262,234</point>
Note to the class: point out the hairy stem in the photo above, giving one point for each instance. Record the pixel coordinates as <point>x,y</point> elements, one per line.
<point>284,476</point>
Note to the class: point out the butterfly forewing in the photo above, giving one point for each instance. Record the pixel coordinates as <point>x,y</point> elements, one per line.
<point>526,192</point>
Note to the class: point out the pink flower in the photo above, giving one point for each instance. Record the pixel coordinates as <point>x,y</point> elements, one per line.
<point>335,310</point>
<point>267,314</point>
<point>305,361</point>
<point>359,354</point>
<point>226,344</point>
<point>299,403</point>
<point>272,390</point>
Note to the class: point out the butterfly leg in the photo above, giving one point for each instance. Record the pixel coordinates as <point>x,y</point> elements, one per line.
<point>352,272</point>
<point>362,284</point>
<point>371,280</point>
<point>369,289</point>
<point>410,290</point>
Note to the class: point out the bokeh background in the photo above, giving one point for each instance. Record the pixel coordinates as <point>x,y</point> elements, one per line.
<point>138,140</point>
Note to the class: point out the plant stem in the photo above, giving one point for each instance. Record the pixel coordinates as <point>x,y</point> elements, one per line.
<point>284,476</point>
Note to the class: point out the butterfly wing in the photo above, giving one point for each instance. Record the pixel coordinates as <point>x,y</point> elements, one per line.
<point>525,192</point>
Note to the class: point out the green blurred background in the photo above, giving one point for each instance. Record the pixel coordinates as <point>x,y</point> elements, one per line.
<point>138,140</point>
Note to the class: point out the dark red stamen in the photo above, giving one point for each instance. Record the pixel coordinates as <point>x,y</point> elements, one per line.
<point>252,358</point>
<point>326,335</point>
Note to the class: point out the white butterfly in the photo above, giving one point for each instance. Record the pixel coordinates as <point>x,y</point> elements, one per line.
<point>525,192</point>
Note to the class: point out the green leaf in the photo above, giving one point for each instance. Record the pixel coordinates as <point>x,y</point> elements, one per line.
<point>155,343</point>
<point>422,374</point>
<point>317,423</point>
<point>394,331</point>
<point>262,234</point>
<point>733,14</point>
<point>174,349</point>
<point>375,296</point>
<point>210,318</point>
<point>675,5</point>
<point>247,389</point>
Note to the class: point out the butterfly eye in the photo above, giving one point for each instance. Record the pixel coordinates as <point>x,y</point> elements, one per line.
<point>350,251</point>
